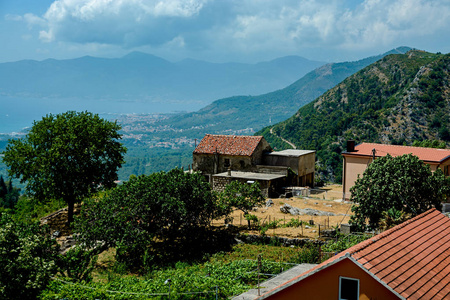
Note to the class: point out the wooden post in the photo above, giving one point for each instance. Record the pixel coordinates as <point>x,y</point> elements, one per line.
<point>259,272</point>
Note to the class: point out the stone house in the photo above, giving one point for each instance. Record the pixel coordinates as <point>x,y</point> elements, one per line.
<point>224,158</point>
<point>357,158</point>
<point>218,153</point>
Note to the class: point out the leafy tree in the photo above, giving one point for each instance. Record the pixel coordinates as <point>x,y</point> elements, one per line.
<point>403,183</point>
<point>162,206</point>
<point>68,156</point>
<point>78,263</point>
<point>393,217</point>
<point>429,144</point>
<point>3,188</point>
<point>27,259</point>
<point>9,196</point>
<point>242,196</point>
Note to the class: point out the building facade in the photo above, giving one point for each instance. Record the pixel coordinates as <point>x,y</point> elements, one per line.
<point>357,158</point>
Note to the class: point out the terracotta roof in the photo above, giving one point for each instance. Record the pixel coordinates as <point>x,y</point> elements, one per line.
<point>424,154</point>
<point>412,259</point>
<point>228,144</point>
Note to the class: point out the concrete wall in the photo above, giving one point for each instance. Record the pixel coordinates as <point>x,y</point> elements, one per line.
<point>304,166</point>
<point>354,166</point>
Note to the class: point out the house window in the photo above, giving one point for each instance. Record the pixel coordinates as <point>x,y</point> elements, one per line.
<point>446,171</point>
<point>227,163</point>
<point>348,288</point>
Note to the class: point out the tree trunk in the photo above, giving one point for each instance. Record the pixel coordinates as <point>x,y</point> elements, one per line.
<point>71,204</point>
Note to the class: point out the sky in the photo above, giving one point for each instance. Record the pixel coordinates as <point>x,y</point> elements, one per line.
<point>221,30</point>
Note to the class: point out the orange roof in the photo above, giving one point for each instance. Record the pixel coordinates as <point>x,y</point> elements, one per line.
<point>424,154</point>
<point>228,144</point>
<point>412,259</point>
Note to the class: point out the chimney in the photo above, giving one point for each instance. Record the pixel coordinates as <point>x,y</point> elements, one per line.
<point>350,146</point>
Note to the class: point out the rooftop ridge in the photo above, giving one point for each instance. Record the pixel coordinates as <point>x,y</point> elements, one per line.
<point>403,146</point>
<point>361,246</point>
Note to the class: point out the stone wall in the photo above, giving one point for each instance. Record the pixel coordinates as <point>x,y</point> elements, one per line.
<point>219,183</point>
<point>57,221</point>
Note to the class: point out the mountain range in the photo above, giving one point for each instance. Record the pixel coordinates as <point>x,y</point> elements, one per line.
<point>254,112</point>
<point>189,84</point>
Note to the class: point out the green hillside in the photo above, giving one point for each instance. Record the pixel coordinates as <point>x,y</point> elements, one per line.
<point>397,100</point>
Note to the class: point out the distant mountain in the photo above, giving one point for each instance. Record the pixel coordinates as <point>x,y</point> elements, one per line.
<point>397,100</point>
<point>145,77</point>
<point>240,112</point>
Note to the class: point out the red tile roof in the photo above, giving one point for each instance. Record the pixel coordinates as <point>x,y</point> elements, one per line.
<point>411,259</point>
<point>228,144</point>
<point>424,154</point>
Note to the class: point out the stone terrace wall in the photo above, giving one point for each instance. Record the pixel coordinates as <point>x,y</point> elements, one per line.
<point>57,221</point>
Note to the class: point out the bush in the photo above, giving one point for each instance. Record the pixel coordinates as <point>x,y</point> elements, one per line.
<point>27,259</point>
<point>78,264</point>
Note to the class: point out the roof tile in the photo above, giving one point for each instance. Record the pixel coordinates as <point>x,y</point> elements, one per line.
<point>228,144</point>
<point>424,154</point>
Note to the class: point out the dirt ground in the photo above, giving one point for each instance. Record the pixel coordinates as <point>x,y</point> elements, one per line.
<point>326,199</point>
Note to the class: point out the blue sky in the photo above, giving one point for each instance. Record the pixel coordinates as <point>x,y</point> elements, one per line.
<point>221,30</point>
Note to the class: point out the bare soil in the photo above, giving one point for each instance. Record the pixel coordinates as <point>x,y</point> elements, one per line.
<point>327,199</point>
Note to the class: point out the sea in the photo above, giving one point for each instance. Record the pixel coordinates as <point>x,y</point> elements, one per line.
<point>17,114</point>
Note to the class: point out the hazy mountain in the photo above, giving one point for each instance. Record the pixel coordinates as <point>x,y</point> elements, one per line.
<point>397,100</point>
<point>240,112</point>
<point>139,76</point>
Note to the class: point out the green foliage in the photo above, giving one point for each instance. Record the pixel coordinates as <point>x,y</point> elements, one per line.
<point>66,156</point>
<point>167,207</point>
<point>392,217</point>
<point>253,219</point>
<point>9,195</point>
<point>242,196</point>
<point>27,259</point>
<point>429,144</point>
<point>197,281</point>
<point>77,264</point>
<point>30,210</point>
<point>344,241</point>
<point>404,183</point>
<point>294,223</point>
<point>308,254</point>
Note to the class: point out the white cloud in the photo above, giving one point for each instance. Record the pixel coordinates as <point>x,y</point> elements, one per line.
<point>239,26</point>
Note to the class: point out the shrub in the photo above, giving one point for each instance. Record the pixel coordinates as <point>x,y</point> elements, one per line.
<point>27,259</point>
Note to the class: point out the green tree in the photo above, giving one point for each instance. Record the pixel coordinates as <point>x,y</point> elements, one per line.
<point>162,206</point>
<point>69,156</point>
<point>404,183</point>
<point>27,259</point>
<point>3,188</point>
<point>242,196</point>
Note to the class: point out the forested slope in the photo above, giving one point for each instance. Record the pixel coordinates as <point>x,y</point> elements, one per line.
<point>397,100</point>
